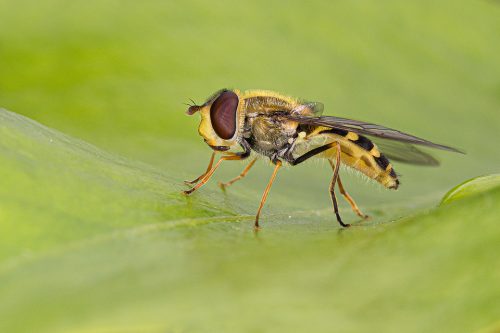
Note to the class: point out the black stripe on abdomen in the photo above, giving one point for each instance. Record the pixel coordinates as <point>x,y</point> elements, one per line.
<point>382,161</point>
<point>367,145</point>
<point>335,131</point>
<point>364,143</point>
<point>393,173</point>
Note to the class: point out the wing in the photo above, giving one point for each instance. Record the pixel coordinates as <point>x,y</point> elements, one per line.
<point>309,109</point>
<point>395,144</point>
<point>405,152</point>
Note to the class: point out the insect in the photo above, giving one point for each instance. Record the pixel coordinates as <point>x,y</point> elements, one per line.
<point>290,130</point>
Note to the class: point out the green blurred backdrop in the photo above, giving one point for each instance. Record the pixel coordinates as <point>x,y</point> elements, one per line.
<point>116,74</point>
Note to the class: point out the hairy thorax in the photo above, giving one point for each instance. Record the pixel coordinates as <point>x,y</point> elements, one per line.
<point>270,136</point>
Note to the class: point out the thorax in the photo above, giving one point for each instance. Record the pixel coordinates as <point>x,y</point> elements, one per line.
<point>270,135</point>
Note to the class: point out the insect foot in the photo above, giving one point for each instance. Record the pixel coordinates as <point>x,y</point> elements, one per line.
<point>222,186</point>
<point>188,192</point>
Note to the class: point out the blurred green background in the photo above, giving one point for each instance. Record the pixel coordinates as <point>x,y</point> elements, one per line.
<point>99,239</point>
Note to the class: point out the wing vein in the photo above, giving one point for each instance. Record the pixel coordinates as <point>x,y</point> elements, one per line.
<point>375,130</point>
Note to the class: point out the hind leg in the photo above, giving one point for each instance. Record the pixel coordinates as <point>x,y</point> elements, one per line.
<point>332,145</point>
<point>332,187</point>
<point>347,197</point>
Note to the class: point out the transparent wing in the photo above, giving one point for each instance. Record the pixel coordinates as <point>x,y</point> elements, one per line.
<point>405,152</point>
<point>360,127</point>
<point>395,144</point>
<point>309,109</point>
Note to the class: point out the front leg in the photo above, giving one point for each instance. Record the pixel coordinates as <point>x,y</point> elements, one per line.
<point>190,182</point>
<point>228,157</point>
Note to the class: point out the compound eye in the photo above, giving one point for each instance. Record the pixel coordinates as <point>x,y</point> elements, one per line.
<point>223,114</point>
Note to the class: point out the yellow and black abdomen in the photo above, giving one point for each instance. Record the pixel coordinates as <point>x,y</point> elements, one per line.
<point>360,153</point>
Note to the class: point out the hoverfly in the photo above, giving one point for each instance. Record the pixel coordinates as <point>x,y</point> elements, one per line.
<point>290,130</point>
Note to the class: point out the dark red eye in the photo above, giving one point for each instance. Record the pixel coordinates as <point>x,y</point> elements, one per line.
<point>223,114</point>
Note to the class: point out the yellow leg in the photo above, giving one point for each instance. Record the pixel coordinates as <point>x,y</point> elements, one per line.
<point>209,174</point>
<point>190,182</point>
<point>351,201</point>
<point>241,175</point>
<point>347,197</point>
<point>266,192</point>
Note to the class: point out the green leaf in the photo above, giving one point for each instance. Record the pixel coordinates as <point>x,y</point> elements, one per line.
<point>70,190</point>
<point>472,187</point>
<point>92,242</point>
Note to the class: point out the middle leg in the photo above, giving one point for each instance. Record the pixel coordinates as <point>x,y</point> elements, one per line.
<point>241,175</point>
<point>208,175</point>
<point>266,192</point>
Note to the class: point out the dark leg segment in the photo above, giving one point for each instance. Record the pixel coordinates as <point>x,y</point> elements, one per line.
<point>266,192</point>
<point>332,187</point>
<point>241,175</point>
<point>348,198</point>
<point>315,152</point>
<point>312,153</point>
